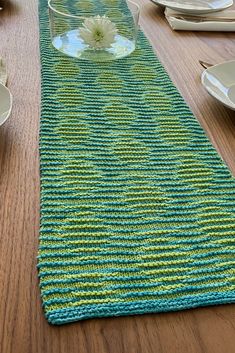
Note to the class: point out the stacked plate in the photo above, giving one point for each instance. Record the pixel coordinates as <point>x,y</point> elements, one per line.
<point>196,7</point>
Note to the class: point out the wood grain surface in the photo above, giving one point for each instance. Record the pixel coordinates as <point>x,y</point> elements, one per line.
<point>23,328</point>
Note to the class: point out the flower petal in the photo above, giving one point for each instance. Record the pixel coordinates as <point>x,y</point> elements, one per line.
<point>98,32</point>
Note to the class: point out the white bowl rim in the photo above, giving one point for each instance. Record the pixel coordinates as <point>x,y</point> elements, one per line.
<point>210,69</point>
<point>195,10</point>
<point>11,102</point>
<point>69,15</point>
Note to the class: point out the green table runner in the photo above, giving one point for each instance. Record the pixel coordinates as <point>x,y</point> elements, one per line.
<point>137,209</point>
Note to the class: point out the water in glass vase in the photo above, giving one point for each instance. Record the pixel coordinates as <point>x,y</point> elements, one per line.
<point>70,43</point>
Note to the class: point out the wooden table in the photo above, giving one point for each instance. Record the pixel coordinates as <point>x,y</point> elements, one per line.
<point>23,328</point>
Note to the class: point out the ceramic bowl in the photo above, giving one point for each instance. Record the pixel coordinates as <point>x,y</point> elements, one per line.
<point>219,81</point>
<point>5,103</point>
<point>196,7</point>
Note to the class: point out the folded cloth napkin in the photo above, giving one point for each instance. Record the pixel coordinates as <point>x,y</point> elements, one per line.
<point>221,21</point>
<point>3,73</point>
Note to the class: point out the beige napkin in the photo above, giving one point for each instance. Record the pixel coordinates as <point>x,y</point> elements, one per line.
<point>204,25</point>
<point>3,73</point>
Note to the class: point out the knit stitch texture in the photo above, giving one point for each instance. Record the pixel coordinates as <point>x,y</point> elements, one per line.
<point>137,208</point>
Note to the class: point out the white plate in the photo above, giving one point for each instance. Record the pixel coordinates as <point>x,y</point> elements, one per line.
<point>219,81</point>
<point>5,103</point>
<point>196,7</point>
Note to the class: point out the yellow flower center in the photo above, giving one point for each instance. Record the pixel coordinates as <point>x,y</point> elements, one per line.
<point>98,35</point>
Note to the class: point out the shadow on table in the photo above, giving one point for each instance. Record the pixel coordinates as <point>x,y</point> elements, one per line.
<point>4,147</point>
<point>152,10</point>
<point>3,138</point>
<point>9,7</point>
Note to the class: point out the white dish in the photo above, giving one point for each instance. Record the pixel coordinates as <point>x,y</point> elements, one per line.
<point>5,103</point>
<point>196,7</point>
<point>219,81</point>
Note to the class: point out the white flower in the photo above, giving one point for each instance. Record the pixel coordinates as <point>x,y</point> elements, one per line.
<point>98,32</point>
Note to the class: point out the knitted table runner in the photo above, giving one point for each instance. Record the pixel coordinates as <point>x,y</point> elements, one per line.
<point>137,208</point>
